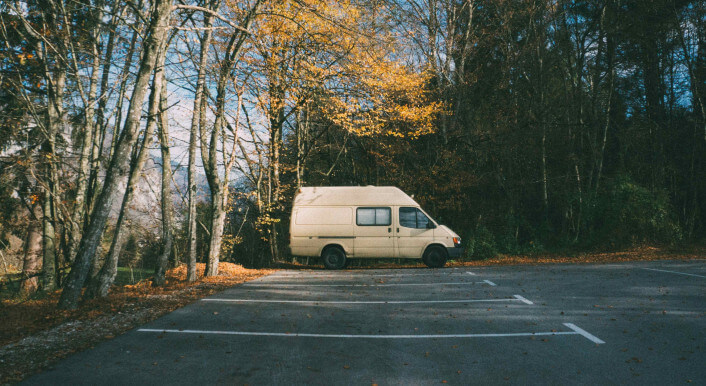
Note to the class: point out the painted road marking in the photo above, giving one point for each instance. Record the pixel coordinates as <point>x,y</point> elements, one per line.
<point>471,273</point>
<point>522,299</point>
<point>516,298</point>
<point>357,275</point>
<point>583,333</point>
<point>575,331</point>
<point>678,273</point>
<point>489,283</point>
<point>263,284</point>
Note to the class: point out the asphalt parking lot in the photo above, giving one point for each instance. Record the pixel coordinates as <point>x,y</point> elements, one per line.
<point>631,323</point>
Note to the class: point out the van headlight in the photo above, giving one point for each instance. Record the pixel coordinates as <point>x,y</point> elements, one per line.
<point>457,242</point>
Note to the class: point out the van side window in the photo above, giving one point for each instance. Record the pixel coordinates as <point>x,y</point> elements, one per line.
<point>373,216</point>
<point>413,218</point>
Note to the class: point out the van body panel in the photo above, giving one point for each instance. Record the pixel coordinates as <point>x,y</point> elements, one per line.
<point>324,216</point>
<point>313,228</point>
<point>352,196</point>
<point>373,241</point>
<point>411,241</point>
<point>367,222</point>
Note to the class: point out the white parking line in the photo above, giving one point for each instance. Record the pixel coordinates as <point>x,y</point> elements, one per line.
<point>583,333</point>
<point>516,298</point>
<point>359,274</point>
<point>675,272</point>
<point>471,273</point>
<point>522,299</point>
<point>576,331</point>
<point>489,283</point>
<point>263,284</point>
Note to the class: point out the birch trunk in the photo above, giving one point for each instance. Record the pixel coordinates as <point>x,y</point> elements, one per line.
<point>87,140</point>
<point>54,122</point>
<point>166,196</point>
<point>199,106</point>
<point>209,152</point>
<point>118,169</point>
<point>101,284</point>
<point>32,256</point>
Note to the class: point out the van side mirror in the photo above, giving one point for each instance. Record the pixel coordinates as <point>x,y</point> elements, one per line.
<point>430,225</point>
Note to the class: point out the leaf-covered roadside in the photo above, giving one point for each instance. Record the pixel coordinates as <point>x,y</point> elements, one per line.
<point>35,333</point>
<point>636,254</point>
<point>647,253</point>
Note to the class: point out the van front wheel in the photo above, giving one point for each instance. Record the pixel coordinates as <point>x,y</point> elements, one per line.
<point>334,258</point>
<point>435,257</point>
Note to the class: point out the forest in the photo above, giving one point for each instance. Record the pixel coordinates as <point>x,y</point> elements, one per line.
<point>170,132</point>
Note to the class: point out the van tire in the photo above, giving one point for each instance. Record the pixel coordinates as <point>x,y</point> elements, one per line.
<point>435,256</point>
<point>334,258</point>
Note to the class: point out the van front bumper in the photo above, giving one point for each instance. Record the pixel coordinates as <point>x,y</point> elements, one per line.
<point>454,252</point>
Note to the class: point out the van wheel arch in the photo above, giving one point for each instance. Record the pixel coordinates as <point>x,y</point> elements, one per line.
<point>435,256</point>
<point>334,257</point>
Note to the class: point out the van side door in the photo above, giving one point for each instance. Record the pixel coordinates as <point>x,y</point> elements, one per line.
<point>373,232</point>
<point>413,232</point>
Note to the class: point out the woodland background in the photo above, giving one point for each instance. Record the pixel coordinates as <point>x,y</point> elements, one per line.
<point>156,133</point>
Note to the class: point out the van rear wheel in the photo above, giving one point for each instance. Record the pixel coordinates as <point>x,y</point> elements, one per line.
<point>435,256</point>
<point>334,258</point>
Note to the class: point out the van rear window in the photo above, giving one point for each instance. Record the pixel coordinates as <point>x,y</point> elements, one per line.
<point>373,216</point>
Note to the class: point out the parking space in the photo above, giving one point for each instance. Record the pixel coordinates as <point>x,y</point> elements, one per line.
<point>553,324</point>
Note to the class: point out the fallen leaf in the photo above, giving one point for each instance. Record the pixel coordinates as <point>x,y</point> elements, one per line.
<point>346,367</point>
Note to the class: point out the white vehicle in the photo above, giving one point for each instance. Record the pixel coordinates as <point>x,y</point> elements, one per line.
<point>340,223</point>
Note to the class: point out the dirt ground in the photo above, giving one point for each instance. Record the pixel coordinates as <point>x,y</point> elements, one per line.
<point>35,335</point>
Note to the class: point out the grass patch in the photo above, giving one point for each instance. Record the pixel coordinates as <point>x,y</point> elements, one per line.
<point>129,276</point>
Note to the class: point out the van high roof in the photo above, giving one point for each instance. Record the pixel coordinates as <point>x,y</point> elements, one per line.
<point>352,196</point>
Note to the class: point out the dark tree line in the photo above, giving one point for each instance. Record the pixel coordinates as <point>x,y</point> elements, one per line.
<point>566,124</point>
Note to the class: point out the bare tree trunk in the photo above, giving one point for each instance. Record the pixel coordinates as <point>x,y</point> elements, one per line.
<point>49,245</point>
<point>209,152</point>
<point>124,76</point>
<point>97,152</point>
<point>87,141</point>
<point>199,107</point>
<point>55,117</point>
<point>33,255</point>
<point>101,284</point>
<point>274,166</point>
<point>167,205</point>
<point>217,225</point>
<point>118,169</point>
<point>611,77</point>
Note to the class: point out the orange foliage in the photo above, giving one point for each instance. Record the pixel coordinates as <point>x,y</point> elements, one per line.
<point>341,55</point>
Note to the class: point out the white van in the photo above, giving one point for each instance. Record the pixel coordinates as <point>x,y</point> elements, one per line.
<point>339,223</point>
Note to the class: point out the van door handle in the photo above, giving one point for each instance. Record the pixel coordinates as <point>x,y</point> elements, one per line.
<point>398,230</point>
<point>389,230</point>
